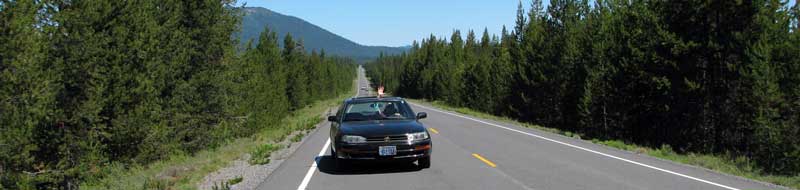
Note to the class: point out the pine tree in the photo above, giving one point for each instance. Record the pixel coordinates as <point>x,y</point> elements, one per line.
<point>521,23</point>
<point>762,92</point>
<point>456,69</point>
<point>27,101</point>
<point>296,86</point>
<point>501,73</point>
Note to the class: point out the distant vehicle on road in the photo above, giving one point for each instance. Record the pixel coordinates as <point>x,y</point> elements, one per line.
<point>373,128</point>
<point>363,88</point>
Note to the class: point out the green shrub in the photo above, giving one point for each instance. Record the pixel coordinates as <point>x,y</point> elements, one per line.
<point>155,184</point>
<point>235,180</point>
<point>221,186</point>
<point>298,137</point>
<point>616,144</point>
<point>261,154</point>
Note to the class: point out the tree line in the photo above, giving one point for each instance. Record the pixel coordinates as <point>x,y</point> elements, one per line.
<point>89,84</point>
<point>719,77</point>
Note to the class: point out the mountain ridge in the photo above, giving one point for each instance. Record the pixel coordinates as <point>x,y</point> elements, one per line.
<point>314,37</point>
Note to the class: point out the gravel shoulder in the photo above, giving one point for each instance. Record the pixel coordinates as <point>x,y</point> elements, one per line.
<point>253,175</point>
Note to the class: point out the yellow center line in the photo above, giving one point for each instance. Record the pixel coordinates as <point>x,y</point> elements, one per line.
<point>433,130</point>
<point>490,163</point>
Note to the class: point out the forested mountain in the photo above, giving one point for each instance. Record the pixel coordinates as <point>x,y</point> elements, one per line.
<point>86,85</point>
<point>714,77</point>
<point>255,19</point>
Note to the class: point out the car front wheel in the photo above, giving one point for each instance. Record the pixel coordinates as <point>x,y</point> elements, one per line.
<point>424,162</point>
<point>340,163</point>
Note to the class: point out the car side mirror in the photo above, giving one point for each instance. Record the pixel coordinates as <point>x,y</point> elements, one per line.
<point>332,118</point>
<point>422,115</point>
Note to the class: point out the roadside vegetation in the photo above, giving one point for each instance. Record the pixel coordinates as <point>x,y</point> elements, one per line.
<point>227,184</point>
<point>186,171</point>
<point>262,153</point>
<point>298,137</point>
<point>96,91</point>
<point>712,78</point>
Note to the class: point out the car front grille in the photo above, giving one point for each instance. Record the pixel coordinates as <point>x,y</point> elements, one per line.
<point>391,138</point>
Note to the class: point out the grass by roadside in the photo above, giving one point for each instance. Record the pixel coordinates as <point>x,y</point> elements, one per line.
<point>227,184</point>
<point>186,171</point>
<point>728,164</point>
<point>262,153</point>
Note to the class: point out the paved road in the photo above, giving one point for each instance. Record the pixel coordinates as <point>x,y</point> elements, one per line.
<point>479,154</point>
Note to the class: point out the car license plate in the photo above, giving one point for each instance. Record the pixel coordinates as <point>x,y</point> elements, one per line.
<point>387,150</point>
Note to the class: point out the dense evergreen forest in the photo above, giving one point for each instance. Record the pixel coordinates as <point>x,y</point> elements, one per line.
<point>718,77</point>
<point>87,84</point>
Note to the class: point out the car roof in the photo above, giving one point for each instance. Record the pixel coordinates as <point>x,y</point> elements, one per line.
<point>371,99</point>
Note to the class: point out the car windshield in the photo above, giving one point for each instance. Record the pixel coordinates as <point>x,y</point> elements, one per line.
<point>377,110</point>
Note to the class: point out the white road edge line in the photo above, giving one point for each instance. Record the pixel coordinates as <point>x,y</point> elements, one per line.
<point>313,167</point>
<point>581,148</point>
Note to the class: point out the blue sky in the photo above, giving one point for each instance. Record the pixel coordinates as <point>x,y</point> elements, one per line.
<point>398,23</point>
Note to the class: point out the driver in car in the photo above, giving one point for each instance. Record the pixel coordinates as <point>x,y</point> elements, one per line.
<point>389,111</point>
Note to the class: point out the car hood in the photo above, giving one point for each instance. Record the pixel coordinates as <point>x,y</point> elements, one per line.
<point>381,127</point>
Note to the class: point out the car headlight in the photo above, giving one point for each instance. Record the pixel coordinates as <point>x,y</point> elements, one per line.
<point>417,136</point>
<point>353,139</point>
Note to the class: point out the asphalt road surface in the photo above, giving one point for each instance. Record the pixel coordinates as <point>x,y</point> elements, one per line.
<point>470,153</point>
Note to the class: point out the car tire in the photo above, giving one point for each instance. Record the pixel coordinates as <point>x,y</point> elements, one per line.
<point>424,162</point>
<point>340,163</point>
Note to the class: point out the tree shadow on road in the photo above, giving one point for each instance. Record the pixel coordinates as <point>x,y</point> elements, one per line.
<point>327,164</point>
